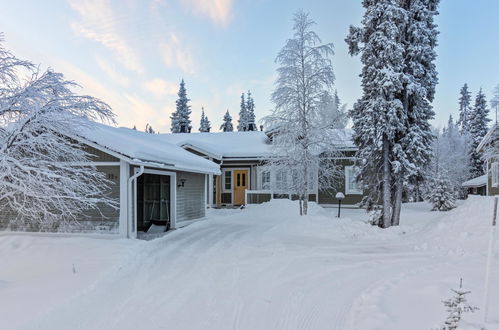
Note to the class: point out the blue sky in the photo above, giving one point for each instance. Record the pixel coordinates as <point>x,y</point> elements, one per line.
<point>133,53</point>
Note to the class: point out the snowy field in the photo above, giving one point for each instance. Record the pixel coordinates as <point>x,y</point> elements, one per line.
<point>259,268</point>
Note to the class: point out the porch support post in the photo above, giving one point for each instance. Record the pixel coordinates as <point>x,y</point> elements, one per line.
<point>210,190</point>
<point>123,219</point>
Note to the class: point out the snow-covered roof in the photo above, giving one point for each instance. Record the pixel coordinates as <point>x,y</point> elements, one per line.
<point>145,148</point>
<point>220,145</point>
<point>476,182</point>
<point>253,144</point>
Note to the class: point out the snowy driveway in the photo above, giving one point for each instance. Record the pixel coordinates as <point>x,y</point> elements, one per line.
<point>266,268</point>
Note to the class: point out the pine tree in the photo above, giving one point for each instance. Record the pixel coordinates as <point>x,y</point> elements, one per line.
<point>250,113</point>
<point>442,195</point>
<point>205,125</point>
<point>180,119</point>
<point>478,129</point>
<point>243,116</point>
<point>391,120</point>
<point>464,109</point>
<point>149,129</point>
<point>134,127</point>
<point>456,307</point>
<point>227,124</point>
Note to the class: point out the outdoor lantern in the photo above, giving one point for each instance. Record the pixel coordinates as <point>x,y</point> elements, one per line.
<point>339,197</point>
<point>181,182</point>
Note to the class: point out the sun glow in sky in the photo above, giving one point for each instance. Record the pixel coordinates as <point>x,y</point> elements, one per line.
<point>133,53</point>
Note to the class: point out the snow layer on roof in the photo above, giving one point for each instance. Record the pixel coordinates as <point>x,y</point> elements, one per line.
<point>243,144</point>
<point>146,148</point>
<point>476,182</point>
<point>224,144</point>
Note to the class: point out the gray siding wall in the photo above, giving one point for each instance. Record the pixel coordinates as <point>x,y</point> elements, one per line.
<point>190,197</point>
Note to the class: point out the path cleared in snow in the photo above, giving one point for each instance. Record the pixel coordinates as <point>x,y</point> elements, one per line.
<point>263,268</point>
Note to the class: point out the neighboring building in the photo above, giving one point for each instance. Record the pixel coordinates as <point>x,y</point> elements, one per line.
<point>476,186</point>
<point>244,180</point>
<point>157,184</point>
<point>489,147</point>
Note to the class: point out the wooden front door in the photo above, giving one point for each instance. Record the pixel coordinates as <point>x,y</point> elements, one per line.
<point>240,186</point>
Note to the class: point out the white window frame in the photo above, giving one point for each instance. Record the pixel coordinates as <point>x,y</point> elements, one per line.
<point>494,171</point>
<point>261,171</point>
<point>348,177</point>
<point>224,190</point>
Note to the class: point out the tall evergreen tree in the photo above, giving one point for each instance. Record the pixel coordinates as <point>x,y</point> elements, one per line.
<point>494,102</point>
<point>227,124</point>
<point>243,116</point>
<point>464,109</point>
<point>250,113</point>
<point>391,120</point>
<point>204,125</point>
<point>478,129</point>
<point>180,119</point>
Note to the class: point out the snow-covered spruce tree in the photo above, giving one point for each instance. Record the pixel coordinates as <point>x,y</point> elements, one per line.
<point>243,116</point>
<point>442,195</point>
<point>149,129</point>
<point>250,112</point>
<point>456,307</point>
<point>334,114</point>
<point>42,180</point>
<point>180,119</point>
<point>204,125</point>
<point>478,129</point>
<point>391,120</point>
<point>494,101</point>
<point>305,74</point>
<point>464,109</point>
<point>227,123</point>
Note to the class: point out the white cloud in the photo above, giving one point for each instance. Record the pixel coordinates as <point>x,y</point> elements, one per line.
<point>176,55</point>
<point>219,11</point>
<point>160,87</point>
<point>99,23</point>
<point>111,72</point>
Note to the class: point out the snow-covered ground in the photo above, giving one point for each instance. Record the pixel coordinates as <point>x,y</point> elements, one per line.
<point>259,268</point>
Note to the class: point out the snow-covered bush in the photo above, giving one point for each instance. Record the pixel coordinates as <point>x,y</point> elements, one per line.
<point>42,177</point>
<point>456,307</point>
<point>442,195</point>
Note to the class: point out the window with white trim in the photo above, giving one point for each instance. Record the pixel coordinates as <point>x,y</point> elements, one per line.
<point>281,180</point>
<point>494,170</point>
<point>227,181</point>
<point>265,180</point>
<point>351,185</point>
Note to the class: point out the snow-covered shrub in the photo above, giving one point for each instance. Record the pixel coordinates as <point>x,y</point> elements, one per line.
<point>456,307</point>
<point>375,217</point>
<point>442,195</point>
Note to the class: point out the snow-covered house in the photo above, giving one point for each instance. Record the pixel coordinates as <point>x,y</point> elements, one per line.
<point>156,183</point>
<point>244,180</point>
<point>489,148</point>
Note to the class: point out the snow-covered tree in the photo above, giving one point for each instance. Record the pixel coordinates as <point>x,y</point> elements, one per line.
<point>494,101</point>
<point>333,113</point>
<point>180,119</point>
<point>456,307</point>
<point>227,124</point>
<point>450,150</point>
<point>42,180</point>
<point>391,120</point>
<point>149,129</point>
<point>204,125</point>
<point>250,113</point>
<point>464,109</point>
<point>243,116</point>
<point>442,196</point>
<point>305,74</point>
<point>478,129</point>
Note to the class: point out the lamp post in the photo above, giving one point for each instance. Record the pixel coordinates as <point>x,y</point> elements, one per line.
<point>339,197</point>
